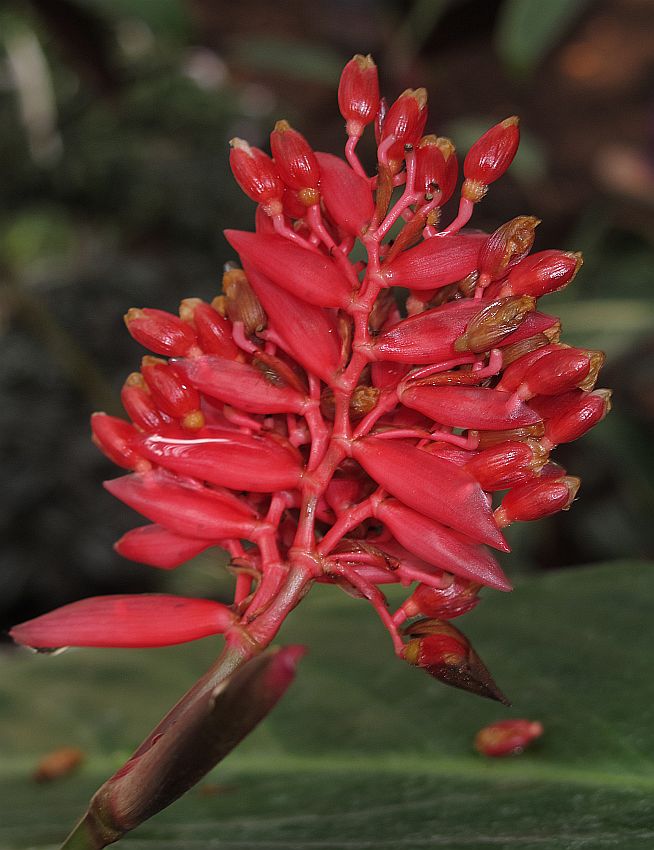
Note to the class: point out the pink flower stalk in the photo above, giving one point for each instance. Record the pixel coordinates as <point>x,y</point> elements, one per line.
<point>322,429</point>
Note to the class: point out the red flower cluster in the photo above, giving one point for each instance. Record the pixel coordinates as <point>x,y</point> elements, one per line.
<point>333,419</point>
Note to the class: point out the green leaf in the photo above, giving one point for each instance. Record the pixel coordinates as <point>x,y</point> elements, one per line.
<point>528,29</point>
<point>364,751</point>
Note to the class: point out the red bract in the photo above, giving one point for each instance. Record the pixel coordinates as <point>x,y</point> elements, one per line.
<point>356,415</point>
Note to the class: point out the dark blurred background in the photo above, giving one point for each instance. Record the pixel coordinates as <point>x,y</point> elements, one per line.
<point>114,190</point>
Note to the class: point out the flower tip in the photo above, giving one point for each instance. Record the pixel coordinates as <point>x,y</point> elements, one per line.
<point>513,121</point>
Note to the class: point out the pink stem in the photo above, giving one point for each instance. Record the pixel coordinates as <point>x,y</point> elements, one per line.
<point>351,156</point>
<point>284,230</point>
<point>463,217</point>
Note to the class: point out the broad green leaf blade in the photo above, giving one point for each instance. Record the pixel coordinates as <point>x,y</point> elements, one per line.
<point>528,29</point>
<point>366,752</point>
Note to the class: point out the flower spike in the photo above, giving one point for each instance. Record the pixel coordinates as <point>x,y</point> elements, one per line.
<point>371,400</point>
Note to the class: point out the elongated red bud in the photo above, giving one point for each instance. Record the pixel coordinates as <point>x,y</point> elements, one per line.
<point>171,392</point>
<point>346,194</point>
<point>432,486</point>
<point>509,244</point>
<point>427,337</point>
<point>542,273</point>
<point>257,175</point>
<point>492,325</point>
<point>446,654</point>
<point>505,464</point>
<point>139,404</point>
<point>469,407</point>
<point>507,737</point>
<point>437,167</point>
<point>536,499</point>
<point>214,332</point>
<point>569,416</point>
<point>358,94</point>
<point>191,512</point>
<point>559,371</point>
<point>114,437</point>
<point>126,621</point>
<point>435,262</point>
<point>312,337</point>
<point>157,547</point>
<point>306,274</point>
<point>457,598</point>
<point>405,122</point>
<point>161,332</point>
<point>260,463</point>
<point>239,384</point>
<point>489,158</point>
<point>514,375</point>
<point>296,162</point>
<point>440,546</point>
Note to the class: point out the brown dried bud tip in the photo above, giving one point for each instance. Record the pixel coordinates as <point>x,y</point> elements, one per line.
<point>509,244</point>
<point>241,304</point>
<point>446,654</point>
<point>495,322</point>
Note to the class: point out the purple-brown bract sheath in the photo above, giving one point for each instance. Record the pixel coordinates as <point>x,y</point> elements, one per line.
<point>372,399</point>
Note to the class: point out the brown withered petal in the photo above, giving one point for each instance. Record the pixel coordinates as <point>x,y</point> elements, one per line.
<point>495,322</point>
<point>241,304</point>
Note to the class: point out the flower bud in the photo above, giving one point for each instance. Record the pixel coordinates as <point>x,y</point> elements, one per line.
<point>260,463</point>
<point>469,407</point>
<point>559,371</point>
<point>191,512</point>
<point>405,121</point>
<point>114,437</point>
<point>514,375</point>
<point>358,94</point>
<point>505,464</point>
<point>345,194</point>
<point>493,438</point>
<point>240,384</point>
<point>308,275</point>
<point>436,488</point>
<point>157,547</point>
<point>171,393</point>
<point>161,332</point>
<point>509,244</point>
<point>490,327</point>
<point>257,175</point>
<point>542,273</point>
<point>537,499</point>
<point>569,416</point>
<point>440,546</point>
<point>296,162</point>
<point>446,654</point>
<point>126,621</point>
<point>213,330</point>
<point>139,405</point>
<point>311,338</point>
<point>507,737</point>
<point>427,337</point>
<point>437,167</point>
<point>435,262</point>
<point>363,400</point>
<point>489,158</point>
<point>445,603</point>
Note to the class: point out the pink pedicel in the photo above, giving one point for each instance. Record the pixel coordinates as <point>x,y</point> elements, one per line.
<point>372,399</point>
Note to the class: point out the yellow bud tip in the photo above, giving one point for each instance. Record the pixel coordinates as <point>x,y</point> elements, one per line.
<point>364,62</point>
<point>513,121</point>
<point>446,147</point>
<point>132,314</point>
<point>149,360</point>
<point>135,379</point>
<point>282,126</point>
<point>241,145</point>
<point>411,651</point>
<point>187,308</point>
<point>194,420</point>
<point>573,484</point>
